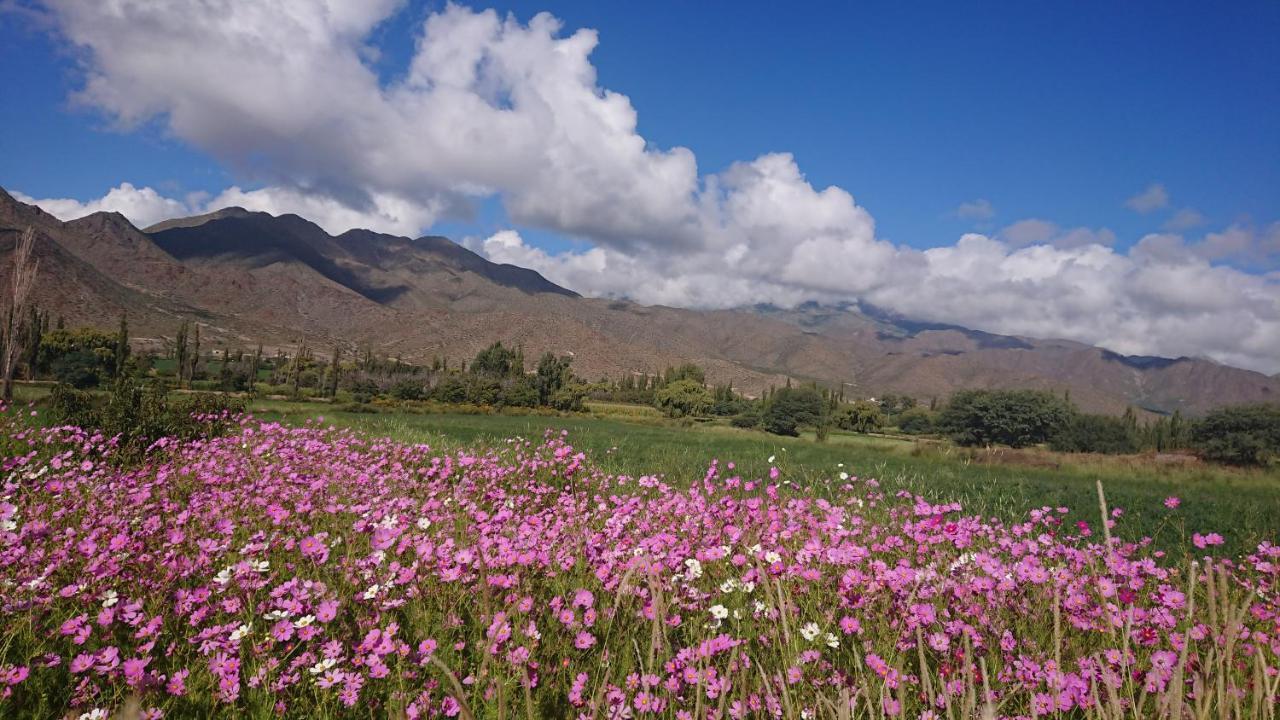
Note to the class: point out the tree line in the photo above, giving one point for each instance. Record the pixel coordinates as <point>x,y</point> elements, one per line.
<point>500,376</point>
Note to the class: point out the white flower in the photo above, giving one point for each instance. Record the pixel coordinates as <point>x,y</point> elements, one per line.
<point>224,577</point>
<point>754,549</point>
<point>424,523</point>
<point>693,568</point>
<point>8,525</point>
<point>748,587</point>
<point>95,714</point>
<point>277,615</point>
<point>844,475</point>
<point>772,557</point>
<point>111,598</point>
<point>760,606</point>
<point>810,631</point>
<point>719,612</point>
<point>323,665</point>
<point>304,621</point>
<point>240,632</point>
<point>261,566</point>
<point>771,458</point>
<point>371,592</point>
<point>832,640</point>
<point>728,585</point>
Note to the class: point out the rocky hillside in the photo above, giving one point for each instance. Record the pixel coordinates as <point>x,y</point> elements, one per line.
<point>248,277</point>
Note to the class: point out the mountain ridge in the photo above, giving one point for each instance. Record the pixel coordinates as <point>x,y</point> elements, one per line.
<point>250,276</point>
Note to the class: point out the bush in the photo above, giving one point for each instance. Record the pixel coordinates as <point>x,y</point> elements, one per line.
<point>862,417</point>
<point>916,421</point>
<point>408,389</point>
<point>138,416</point>
<point>745,420</point>
<point>1240,435</point>
<point>790,408</point>
<point>450,390</point>
<point>683,398</point>
<point>521,393</point>
<point>1095,434</point>
<point>363,391</point>
<point>80,369</point>
<point>569,398</point>
<point>1016,418</point>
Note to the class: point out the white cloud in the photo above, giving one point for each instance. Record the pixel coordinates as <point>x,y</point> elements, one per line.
<point>979,209</point>
<point>143,206</point>
<point>489,106</point>
<point>1153,198</point>
<point>1184,219</point>
<point>1042,232</point>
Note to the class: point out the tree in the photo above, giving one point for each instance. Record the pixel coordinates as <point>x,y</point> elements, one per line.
<point>32,332</point>
<point>862,416</point>
<point>122,344</point>
<point>80,357</point>
<point>553,373</point>
<point>180,351</point>
<point>687,371</point>
<point>1016,418</point>
<point>916,421</point>
<point>254,366</point>
<point>494,361</point>
<point>682,398</point>
<point>335,369</point>
<point>23,279</point>
<point>1239,435</point>
<point>1095,434</point>
<point>790,408</point>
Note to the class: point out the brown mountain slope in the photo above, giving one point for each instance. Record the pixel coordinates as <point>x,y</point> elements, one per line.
<point>248,277</point>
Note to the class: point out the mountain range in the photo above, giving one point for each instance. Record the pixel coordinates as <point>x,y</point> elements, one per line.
<point>248,277</point>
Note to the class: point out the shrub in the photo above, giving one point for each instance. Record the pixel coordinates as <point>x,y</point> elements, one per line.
<point>1095,434</point>
<point>569,397</point>
<point>450,390</point>
<point>363,391</point>
<point>862,417</point>
<point>1016,418</point>
<point>789,408</point>
<point>1240,435</point>
<point>408,389</point>
<point>138,416</point>
<point>682,398</point>
<point>521,393</point>
<point>745,420</point>
<point>916,421</point>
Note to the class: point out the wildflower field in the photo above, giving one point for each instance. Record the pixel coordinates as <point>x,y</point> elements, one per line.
<point>307,571</point>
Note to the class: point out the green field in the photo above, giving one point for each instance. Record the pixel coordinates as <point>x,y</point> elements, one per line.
<point>1243,505</point>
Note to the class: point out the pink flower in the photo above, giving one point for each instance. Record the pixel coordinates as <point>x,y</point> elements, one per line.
<point>327,611</point>
<point>584,640</point>
<point>1204,541</point>
<point>1172,502</point>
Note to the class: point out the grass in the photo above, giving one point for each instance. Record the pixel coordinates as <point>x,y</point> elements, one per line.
<point>1244,505</point>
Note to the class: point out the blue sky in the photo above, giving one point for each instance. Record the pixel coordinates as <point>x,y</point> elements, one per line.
<point>1105,172</point>
<point>1054,111</point>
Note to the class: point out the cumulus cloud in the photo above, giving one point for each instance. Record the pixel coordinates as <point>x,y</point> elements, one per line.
<point>1153,198</point>
<point>489,106</point>
<point>143,206</point>
<point>1042,232</point>
<point>1184,219</point>
<point>979,209</point>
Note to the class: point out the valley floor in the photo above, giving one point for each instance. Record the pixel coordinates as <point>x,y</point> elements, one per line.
<point>1007,484</point>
